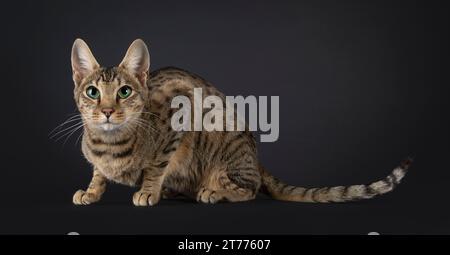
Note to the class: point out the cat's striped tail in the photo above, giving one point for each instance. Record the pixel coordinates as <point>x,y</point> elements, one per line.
<point>281,191</point>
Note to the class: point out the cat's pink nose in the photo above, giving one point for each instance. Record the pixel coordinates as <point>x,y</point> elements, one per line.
<point>108,111</point>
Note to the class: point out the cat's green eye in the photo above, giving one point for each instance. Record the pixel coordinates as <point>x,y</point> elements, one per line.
<point>124,92</point>
<point>92,92</point>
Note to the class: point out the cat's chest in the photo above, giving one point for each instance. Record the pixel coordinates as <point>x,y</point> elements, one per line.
<point>126,176</point>
<point>121,164</point>
<point>127,173</point>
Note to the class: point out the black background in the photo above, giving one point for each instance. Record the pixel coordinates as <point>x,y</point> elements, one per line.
<point>362,85</point>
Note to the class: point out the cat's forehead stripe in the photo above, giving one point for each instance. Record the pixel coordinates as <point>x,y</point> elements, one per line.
<point>108,74</point>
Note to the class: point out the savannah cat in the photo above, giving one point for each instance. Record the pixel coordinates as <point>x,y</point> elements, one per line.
<point>128,139</point>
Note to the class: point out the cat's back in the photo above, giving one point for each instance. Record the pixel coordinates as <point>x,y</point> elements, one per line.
<point>167,82</point>
<point>169,74</point>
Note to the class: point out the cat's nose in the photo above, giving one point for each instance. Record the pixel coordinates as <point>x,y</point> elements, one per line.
<point>108,111</point>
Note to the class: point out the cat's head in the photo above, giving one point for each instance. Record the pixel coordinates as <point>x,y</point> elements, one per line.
<point>110,99</point>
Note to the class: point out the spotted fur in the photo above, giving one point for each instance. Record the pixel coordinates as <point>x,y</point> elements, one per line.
<point>142,149</point>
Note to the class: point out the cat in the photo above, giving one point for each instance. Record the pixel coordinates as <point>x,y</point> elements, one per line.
<point>128,139</point>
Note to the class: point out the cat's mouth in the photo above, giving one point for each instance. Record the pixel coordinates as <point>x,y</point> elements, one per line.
<point>110,126</point>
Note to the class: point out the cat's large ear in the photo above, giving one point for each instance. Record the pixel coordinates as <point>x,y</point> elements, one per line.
<point>83,62</point>
<point>137,60</point>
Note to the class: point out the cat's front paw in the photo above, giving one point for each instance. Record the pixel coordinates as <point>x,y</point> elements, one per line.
<point>145,198</point>
<point>82,197</point>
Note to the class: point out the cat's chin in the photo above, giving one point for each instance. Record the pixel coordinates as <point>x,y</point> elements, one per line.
<point>109,127</point>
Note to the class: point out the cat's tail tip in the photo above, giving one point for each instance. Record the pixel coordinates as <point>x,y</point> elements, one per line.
<point>282,191</point>
<point>406,163</point>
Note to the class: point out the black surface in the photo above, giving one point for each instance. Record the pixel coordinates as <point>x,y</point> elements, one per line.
<point>361,84</point>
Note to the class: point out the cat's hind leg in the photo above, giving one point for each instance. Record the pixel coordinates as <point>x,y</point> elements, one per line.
<point>231,186</point>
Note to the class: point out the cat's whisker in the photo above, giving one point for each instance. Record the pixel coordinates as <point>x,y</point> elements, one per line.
<point>147,113</point>
<point>145,127</point>
<point>65,129</point>
<point>69,120</point>
<point>141,125</point>
<point>61,135</point>
<point>146,122</point>
<point>71,133</point>
<point>79,136</point>
<point>148,126</point>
